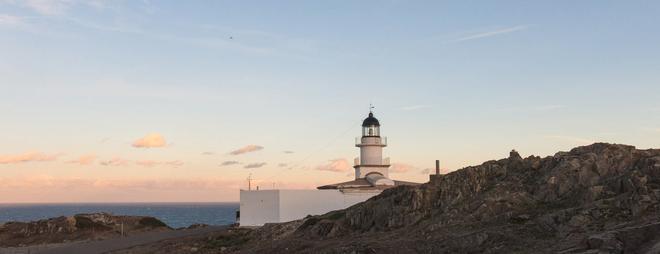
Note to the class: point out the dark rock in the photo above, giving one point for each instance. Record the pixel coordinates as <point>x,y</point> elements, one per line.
<point>75,228</point>
<point>601,198</point>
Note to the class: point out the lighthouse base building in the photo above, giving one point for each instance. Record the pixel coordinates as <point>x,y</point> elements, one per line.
<point>258,207</point>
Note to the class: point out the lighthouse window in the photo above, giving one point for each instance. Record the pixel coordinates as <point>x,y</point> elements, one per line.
<point>370,131</point>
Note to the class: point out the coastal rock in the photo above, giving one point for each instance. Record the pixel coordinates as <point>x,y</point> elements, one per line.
<point>597,198</point>
<point>75,228</point>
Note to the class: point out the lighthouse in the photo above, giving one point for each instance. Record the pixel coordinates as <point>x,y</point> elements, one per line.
<point>372,171</point>
<point>371,165</point>
<point>371,178</point>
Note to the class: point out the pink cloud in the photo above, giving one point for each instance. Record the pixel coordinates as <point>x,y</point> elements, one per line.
<point>246,149</point>
<point>116,161</point>
<point>336,165</point>
<point>27,157</point>
<point>48,181</point>
<point>39,181</point>
<point>164,184</point>
<point>84,160</point>
<point>150,141</point>
<point>49,188</point>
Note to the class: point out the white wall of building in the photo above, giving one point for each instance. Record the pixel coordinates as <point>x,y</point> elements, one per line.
<point>296,204</point>
<point>259,206</point>
<point>267,206</point>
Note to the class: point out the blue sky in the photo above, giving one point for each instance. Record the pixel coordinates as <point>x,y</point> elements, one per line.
<point>460,81</point>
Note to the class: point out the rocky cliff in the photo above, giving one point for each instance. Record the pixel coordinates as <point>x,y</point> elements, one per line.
<point>597,198</point>
<point>75,228</point>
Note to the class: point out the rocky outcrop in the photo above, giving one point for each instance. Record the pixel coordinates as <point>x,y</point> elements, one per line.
<point>597,198</point>
<point>75,228</point>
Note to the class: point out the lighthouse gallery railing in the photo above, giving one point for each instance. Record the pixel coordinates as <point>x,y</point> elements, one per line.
<point>385,161</point>
<point>371,141</point>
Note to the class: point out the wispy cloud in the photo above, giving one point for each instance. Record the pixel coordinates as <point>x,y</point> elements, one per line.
<point>281,165</point>
<point>336,165</point>
<point>67,189</point>
<point>246,149</point>
<point>84,160</point>
<point>10,20</point>
<point>27,157</point>
<point>229,163</point>
<point>115,162</point>
<point>47,181</point>
<point>255,165</point>
<point>414,107</point>
<point>492,33</point>
<point>48,7</point>
<point>150,141</point>
<point>247,41</point>
<point>54,7</point>
<point>288,152</point>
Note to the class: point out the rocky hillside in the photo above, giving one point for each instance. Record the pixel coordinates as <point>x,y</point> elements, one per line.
<point>75,228</point>
<point>597,198</point>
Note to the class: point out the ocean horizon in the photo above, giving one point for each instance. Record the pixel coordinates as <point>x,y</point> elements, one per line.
<point>174,214</point>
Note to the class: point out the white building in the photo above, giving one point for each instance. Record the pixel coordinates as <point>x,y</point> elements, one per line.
<point>258,207</point>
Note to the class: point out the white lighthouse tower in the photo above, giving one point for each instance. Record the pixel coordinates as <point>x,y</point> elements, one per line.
<point>371,165</point>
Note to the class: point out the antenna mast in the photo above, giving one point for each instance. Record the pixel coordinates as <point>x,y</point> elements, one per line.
<point>249,179</point>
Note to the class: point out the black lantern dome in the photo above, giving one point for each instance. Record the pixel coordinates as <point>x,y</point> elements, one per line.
<point>370,121</point>
<point>370,126</point>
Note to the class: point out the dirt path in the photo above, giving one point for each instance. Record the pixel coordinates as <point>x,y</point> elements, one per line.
<point>114,244</point>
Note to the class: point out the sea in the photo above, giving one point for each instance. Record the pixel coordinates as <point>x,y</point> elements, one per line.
<point>175,215</point>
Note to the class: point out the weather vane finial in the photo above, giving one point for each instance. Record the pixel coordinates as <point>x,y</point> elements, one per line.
<point>371,107</point>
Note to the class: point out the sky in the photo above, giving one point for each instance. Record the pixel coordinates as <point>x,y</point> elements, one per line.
<point>181,101</point>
